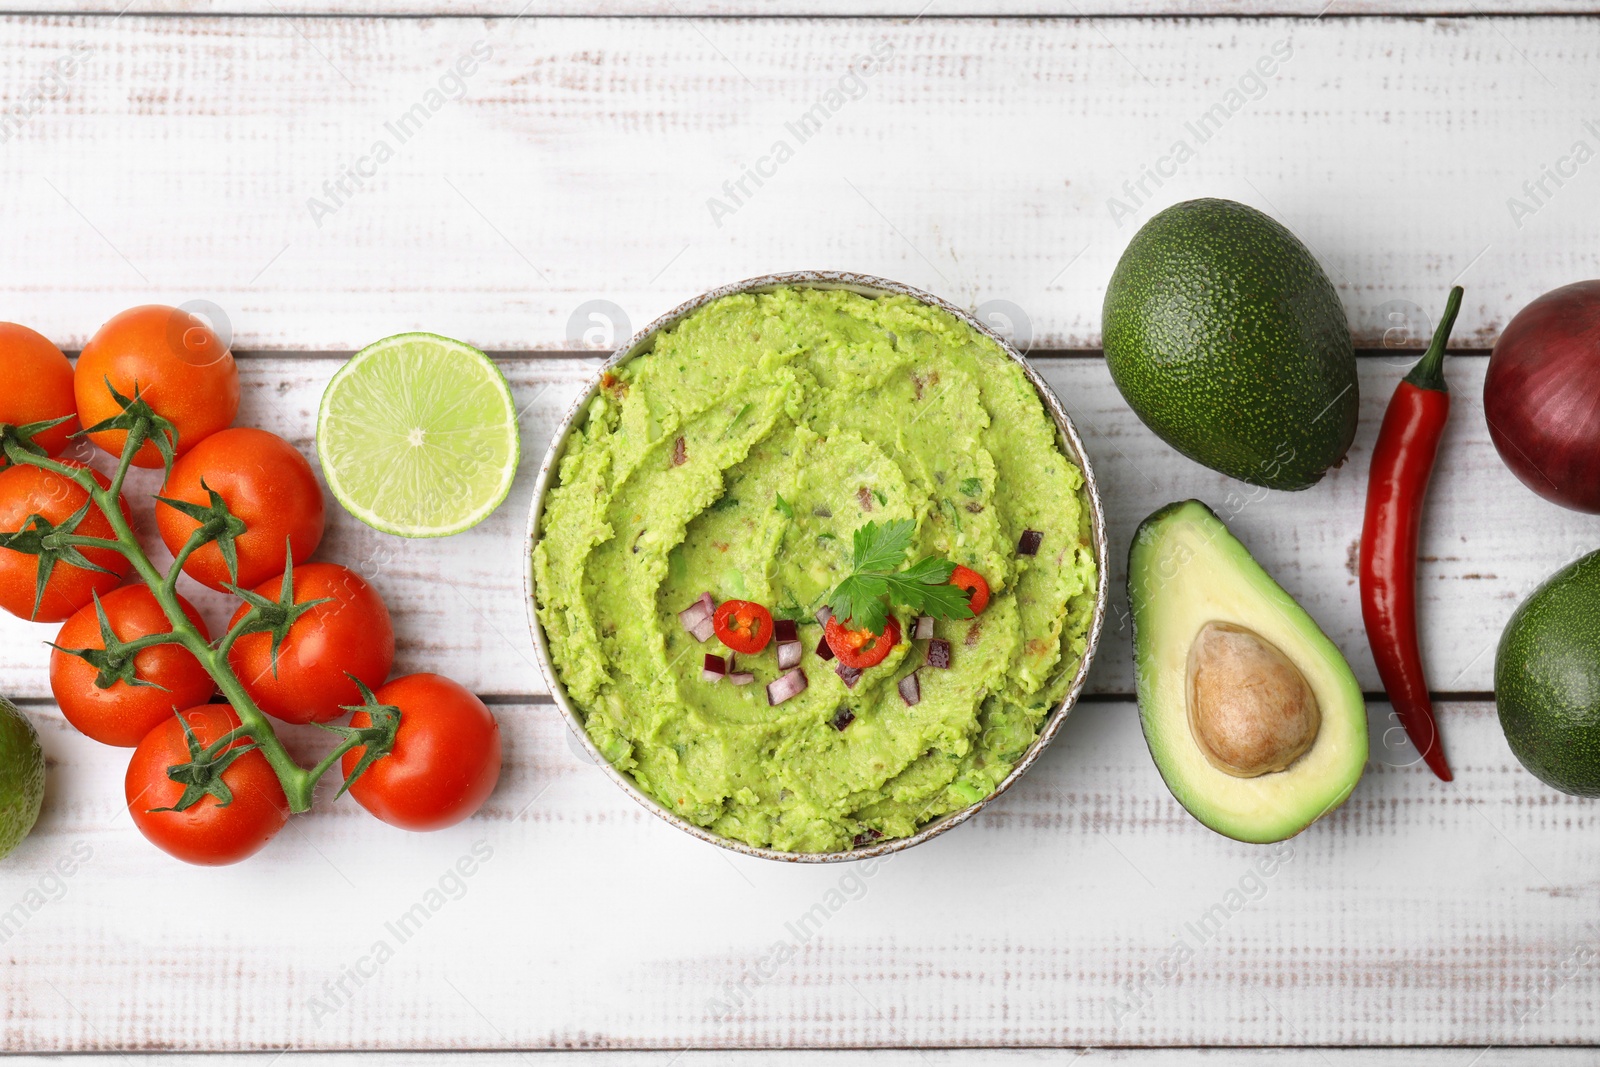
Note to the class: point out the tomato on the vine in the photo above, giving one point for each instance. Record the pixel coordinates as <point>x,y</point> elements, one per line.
<point>972,583</point>
<point>743,626</point>
<point>861,648</point>
<point>445,758</point>
<point>176,364</point>
<point>267,485</point>
<point>38,386</point>
<point>350,633</point>
<point>208,832</point>
<point>27,491</point>
<point>123,713</point>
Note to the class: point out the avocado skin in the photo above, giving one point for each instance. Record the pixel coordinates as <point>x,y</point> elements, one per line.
<point>1547,679</point>
<point>1227,339</point>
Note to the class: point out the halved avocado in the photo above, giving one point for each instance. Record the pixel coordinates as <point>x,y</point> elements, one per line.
<point>1254,718</point>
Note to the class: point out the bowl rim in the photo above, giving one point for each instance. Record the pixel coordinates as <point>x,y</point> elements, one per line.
<point>866,285</point>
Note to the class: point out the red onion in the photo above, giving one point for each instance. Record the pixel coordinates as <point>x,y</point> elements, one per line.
<point>824,613</point>
<point>939,654</point>
<point>922,629</point>
<point>789,653</point>
<point>696,618</point>
<point>785,630</point>
<point>740,677</point>
<point>848,675</point>
<point>911,690</point>
<point>680,454</point>
<point>842,718</point>
<point>1028,543</point>
<point>1541,396</point>
<point>824,650</point>
<point>714,668</point>
<point>786,686</point>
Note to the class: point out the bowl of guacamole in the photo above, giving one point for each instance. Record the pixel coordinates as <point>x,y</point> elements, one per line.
<point>760,454</point>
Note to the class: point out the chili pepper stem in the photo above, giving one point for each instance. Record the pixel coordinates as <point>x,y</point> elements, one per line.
<point>1429,371</point>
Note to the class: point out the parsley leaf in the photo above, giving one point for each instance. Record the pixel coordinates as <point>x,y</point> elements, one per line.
<point>972,486</point>
<point>784,507</point>
<point>875,580</point>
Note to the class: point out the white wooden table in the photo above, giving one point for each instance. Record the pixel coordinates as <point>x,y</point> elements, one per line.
<point>559,194</point>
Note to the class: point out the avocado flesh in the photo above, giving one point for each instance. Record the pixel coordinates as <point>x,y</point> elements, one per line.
<point>1185,569</point>
<point>1547,679</point>
<point>1227,339</point>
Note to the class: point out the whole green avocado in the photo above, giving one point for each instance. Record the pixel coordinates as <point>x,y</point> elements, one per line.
<point>1228,340</point>
<point>1547,679</point>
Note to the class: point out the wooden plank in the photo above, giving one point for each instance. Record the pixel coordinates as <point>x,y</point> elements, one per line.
<point>1099,1057</point>
<point>458,604</point>
<point>722,9</point>
<point>1419,913</point>
<point>586,160</point>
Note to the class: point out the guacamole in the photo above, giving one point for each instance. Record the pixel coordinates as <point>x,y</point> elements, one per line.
<point>738,457</point>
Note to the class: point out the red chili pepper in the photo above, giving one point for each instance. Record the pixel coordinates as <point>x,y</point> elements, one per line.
<point>1402,462</point>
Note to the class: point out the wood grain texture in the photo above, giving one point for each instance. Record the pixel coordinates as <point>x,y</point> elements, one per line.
<point>1419,913</point>
<point>458,602</point>
<point>579,163</point>
<point>920,9</point>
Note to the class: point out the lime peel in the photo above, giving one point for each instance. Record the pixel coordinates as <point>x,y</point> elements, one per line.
<point>417,435</point>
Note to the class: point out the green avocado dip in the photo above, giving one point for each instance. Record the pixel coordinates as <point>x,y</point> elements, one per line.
<point>738,457</point>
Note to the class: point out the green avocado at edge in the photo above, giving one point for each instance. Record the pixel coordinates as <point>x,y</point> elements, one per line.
<point>1547,679</point>
<point>1228,340</point>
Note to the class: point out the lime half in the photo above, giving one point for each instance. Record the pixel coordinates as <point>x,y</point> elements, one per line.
<point>418,436</point>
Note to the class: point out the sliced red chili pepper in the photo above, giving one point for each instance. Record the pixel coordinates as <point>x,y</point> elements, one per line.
<point>971,583</point>
<point>861,648</point>
<point>743,626</point>
<point>1402,461</point>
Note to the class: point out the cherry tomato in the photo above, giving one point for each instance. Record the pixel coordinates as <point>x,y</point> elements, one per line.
<point>38,386</point>
<point>180,367</point>
<point>122,714</point>
<point>350,633</point>
<point>743,626</point>
<point>25,491</point>
<point>266,483</point>
<point>971,583</point>
<point>208,832</point>
<point>861,648</point>
<point>445,760</point>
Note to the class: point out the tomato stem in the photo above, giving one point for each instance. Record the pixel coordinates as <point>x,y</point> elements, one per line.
<point>299,784</point>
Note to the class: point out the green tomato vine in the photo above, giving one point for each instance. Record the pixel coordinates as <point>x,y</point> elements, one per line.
<point>59,544</point>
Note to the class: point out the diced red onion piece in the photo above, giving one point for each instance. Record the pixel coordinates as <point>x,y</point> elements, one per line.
<point>680,453</point>
<point>848,675</point>
<point>911,690</point>
<point>1028,544</point>
<point>923,630</point>
<point>741,677</point>
<point>785,686</point>
<point>789,653</point>
<point>785,630</point>
<point>939,654</point>
<point>696,618</point>
<point>842,718</point>
<point>714,668</point>
<point>824,613</point>
<point>824,650</point>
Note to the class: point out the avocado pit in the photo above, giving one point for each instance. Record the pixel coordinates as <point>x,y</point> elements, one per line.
<point>1250,709</point>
